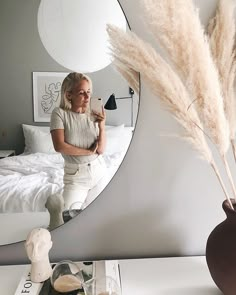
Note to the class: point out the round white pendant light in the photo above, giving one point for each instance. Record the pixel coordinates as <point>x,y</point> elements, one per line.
<point>74,31</point>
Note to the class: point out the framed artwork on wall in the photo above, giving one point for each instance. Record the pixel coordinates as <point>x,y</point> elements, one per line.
<point>46,94</point>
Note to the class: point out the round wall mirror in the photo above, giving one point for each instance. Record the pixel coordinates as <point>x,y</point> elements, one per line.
<point>30,169</point>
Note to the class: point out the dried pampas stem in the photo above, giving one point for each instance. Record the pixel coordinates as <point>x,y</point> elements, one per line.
<point>162,80</point>
<point>221,30</point>
<point>131,76</point>
<point>130,50</point>
<point>213,165</point>
<point>233,148</point>
<point>176,25</point>
<point>229,176</point>
<point>233,145</point>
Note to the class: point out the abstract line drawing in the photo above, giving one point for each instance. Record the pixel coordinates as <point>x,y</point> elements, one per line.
<point>46,94</point>
<point>52,93</point>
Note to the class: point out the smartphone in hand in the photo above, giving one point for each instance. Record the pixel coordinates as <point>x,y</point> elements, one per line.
<point>96,104</point>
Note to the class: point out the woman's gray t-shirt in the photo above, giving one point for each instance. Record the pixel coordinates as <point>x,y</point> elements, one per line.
<point>79,131</point>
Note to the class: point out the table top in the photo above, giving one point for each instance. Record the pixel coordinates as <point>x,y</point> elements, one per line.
<point>10,277</point>
<point>161,276</point>
<point>167,276</point>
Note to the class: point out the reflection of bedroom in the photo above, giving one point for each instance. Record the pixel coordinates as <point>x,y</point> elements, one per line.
<point>22,54</point>
<point>27,179</point>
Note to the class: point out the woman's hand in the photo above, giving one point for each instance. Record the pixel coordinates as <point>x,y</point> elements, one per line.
<point>94,147</point>
<point>100,118</point>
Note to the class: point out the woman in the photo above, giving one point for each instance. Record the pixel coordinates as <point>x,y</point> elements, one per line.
<point>80,140</point>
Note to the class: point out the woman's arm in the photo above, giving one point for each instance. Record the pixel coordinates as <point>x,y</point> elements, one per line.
<point>101,139</point>
<point>65,148</point>
<point>101,118</point>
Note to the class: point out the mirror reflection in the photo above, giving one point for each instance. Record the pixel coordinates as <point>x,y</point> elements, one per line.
<point>31,169</point>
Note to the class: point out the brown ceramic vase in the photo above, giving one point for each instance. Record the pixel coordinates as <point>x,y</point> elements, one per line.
<point>221,252</point>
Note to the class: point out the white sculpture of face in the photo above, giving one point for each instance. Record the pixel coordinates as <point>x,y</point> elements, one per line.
<point>38,244</point>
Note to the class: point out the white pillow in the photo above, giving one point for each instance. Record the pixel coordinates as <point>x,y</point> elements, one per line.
<point>126,137</point>
<point>118,139</point>
<point>37,139</point>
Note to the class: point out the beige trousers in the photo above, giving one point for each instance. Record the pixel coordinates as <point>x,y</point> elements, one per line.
<point>79,179</point>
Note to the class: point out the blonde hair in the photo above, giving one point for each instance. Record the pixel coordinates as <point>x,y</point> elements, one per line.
<point>68,84</point>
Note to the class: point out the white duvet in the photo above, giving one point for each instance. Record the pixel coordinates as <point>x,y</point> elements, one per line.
<point>27,180</point>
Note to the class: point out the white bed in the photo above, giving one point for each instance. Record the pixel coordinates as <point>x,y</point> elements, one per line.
<point>28,179</point>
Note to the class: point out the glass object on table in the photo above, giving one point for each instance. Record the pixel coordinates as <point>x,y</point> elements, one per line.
<point>73,211</point>
<point>67,277</point>
<point>101,286</point>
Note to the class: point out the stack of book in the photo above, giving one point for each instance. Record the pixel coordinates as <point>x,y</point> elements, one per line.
<point>96,269</point>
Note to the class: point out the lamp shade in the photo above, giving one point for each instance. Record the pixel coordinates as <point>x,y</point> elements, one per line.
<point>111,103</point>
<point>74,31</point>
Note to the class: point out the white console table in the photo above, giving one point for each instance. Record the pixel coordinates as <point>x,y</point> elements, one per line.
<point>157,276</point>
<point>167,276</point>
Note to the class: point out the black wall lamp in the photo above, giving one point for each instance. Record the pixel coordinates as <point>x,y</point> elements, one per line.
<point>111,102</point>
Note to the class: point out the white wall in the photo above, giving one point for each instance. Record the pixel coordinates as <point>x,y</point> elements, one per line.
<point>163,201</point>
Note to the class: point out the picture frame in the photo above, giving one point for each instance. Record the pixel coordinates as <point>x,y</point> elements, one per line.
<point>46,93</point>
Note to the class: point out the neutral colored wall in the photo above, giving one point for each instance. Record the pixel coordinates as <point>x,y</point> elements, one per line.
<point>21,53</point>
<point>163,201</point>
